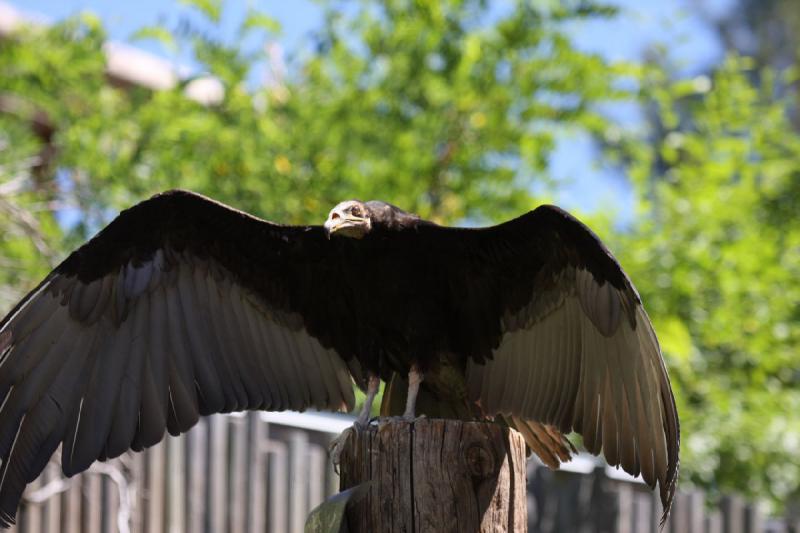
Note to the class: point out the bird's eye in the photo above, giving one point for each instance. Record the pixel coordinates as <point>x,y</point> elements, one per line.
<point>355,211</point>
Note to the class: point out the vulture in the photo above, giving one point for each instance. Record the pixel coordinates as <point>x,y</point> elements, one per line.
<point>183,307</point>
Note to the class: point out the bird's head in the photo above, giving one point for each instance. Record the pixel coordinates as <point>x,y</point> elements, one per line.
<point>349,219</point>
<point>356,219</point>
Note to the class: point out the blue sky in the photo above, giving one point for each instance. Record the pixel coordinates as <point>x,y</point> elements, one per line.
<point>677,25</point>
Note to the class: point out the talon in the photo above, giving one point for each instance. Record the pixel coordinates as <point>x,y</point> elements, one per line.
<point>336,447</point>
<point>383,421</point>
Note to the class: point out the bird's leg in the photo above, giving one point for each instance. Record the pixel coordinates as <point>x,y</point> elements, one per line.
<point>415,377</point>
<point>373,384</point>
<point>337,445</point>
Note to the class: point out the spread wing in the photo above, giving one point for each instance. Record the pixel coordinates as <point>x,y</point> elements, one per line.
<point>181,307</point>
<point>574,348</point>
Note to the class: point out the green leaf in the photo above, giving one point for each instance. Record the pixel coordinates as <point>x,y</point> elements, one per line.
<point>212,9</point>
<point>256,20</point>
<point>156,33</point>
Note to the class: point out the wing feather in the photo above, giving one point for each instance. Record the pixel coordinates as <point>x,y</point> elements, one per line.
<point>320,388</point>
<point>180,307</point>
<point>572,373</point>
<point>251,316</point>
<point>104,297</point>
<point>66,385</point>
<point>125,421</point>
<point>194,323</point>
<point>553,352</point>
<point>103,382</point>
<point>297,388</point>
<point>579,353</point>
<point>238,340</point>
<point>154,380</point>
<point>277,379</point>
<point>185,408</point>
<point>32,385</point>
<point>26,353</point>
<point>220,339</point>
<point>496,395</point>
<point>31,313</point>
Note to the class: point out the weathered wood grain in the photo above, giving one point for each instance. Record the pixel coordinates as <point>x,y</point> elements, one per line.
<point>436,476</point>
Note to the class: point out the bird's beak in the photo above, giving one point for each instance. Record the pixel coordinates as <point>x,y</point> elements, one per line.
<point>330,227</point>
<point>338,222</point>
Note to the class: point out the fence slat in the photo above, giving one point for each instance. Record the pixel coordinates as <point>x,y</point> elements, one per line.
<point>278,483</point>
<point>237,513</point>
<point>218,479</point>
<point>32,519</point>
<point>72,507</point>
<point>754,521</point>
<point>643,507</point>
<point>110,505</point>
<point>317,457</point>
<point>198,452</point>
<point>257,480</point>
<point>176,485</point>
<point>696,502</point>
<point>92,512</point>
<point>625,509</point>
<point>298,469</point>
<point>138,479</point>
<point>156,477</point>
<point>732,508</point>
<point>52,507</point>
<point>714,522</point>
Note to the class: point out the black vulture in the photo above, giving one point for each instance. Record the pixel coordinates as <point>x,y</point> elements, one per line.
<point>183,307</point>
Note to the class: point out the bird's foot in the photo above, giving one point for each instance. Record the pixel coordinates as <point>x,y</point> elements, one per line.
<point>336,447</point>
<point>403,418</point>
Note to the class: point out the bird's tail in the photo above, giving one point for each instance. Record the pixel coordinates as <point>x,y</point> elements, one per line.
<point>547,442</point>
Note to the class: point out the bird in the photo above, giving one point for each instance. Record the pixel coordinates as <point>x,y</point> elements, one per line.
<point>182,307</point>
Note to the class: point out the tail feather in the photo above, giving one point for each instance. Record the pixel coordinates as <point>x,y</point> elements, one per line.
<point>546,441</point>
<point>552,446</point>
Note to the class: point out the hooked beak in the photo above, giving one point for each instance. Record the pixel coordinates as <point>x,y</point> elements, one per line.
<point>348,225</point>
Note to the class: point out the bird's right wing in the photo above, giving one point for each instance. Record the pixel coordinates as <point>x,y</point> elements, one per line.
<point>181,307</point>
<point>559,337</point>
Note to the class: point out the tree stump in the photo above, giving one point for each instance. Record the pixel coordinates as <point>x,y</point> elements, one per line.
<point>436,475</point>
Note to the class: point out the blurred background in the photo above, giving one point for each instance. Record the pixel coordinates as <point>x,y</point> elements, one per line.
<point>671,128</point>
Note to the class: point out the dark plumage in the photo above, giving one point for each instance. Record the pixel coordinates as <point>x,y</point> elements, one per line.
<point>183,307</point>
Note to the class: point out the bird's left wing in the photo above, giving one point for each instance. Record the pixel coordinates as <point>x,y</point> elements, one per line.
<point>181,307</point>
<point>559,337</point>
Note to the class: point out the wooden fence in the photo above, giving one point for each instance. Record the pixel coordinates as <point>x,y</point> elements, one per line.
<point>251,472</point>
<point>263,472</point>
<point>589,498</point>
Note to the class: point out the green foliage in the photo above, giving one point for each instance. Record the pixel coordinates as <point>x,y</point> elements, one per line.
<point>448,109</point>
<point>210,8</point>
<point>47,74</point>
<point>717,259</point>
<point>430,105</point>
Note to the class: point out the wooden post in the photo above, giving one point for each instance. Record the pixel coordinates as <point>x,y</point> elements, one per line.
<point>436,476</point>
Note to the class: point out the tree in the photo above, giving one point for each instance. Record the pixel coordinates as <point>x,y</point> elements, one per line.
<point>765,30</point>
<point>716,259</point>
<point>446,108</point>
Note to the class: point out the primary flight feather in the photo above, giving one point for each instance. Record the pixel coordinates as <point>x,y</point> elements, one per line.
<point>183,307</point>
